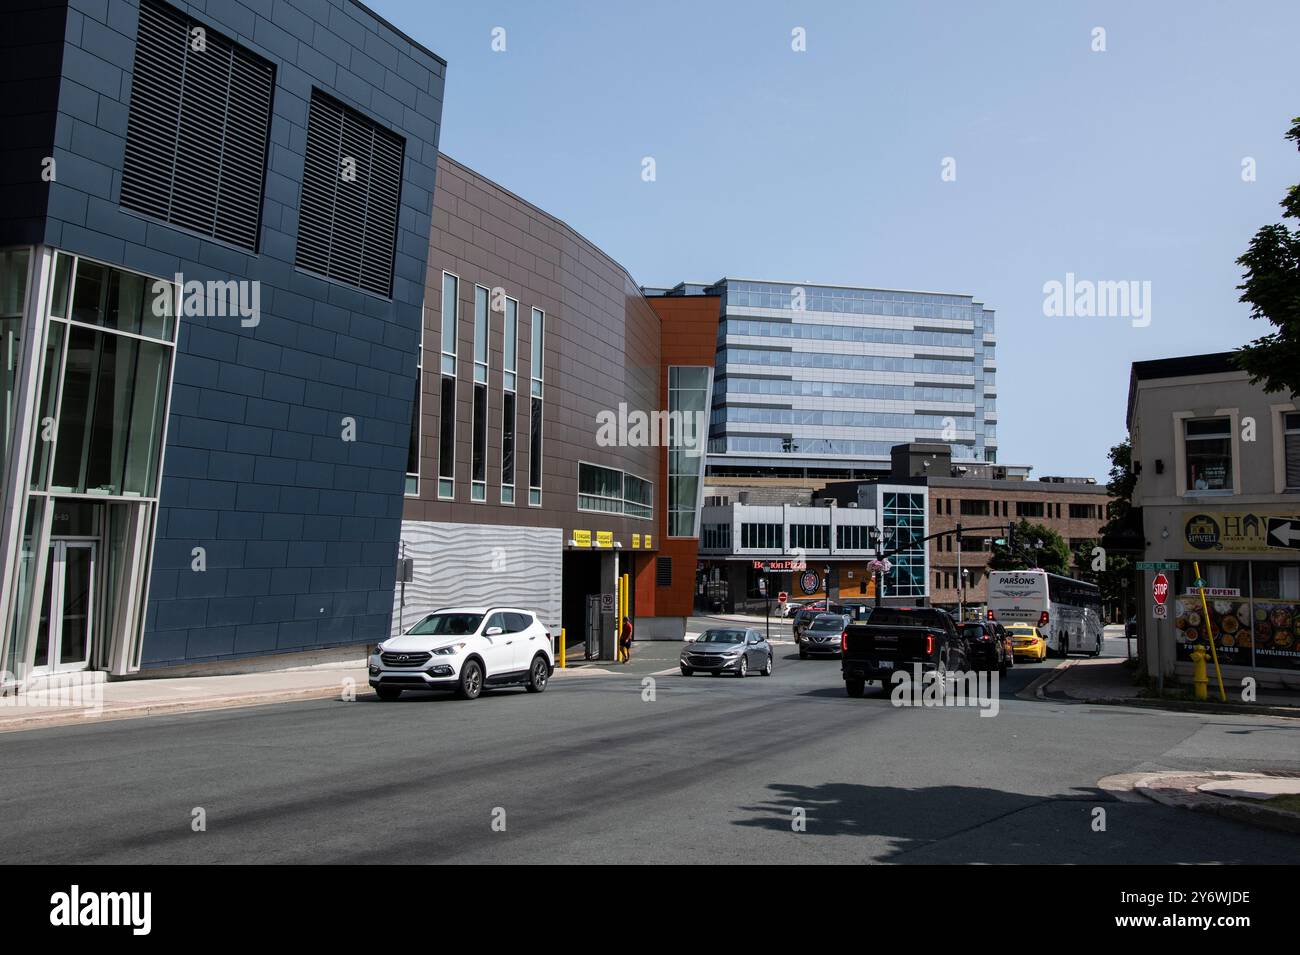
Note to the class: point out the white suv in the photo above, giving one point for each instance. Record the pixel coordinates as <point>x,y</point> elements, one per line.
<point>465,649</point>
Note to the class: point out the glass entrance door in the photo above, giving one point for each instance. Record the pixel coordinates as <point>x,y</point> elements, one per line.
<point>66,628</point>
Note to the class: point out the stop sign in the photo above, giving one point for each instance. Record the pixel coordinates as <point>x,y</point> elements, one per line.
<point>1160,588</point>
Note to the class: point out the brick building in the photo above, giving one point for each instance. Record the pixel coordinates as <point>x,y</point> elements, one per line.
<point>983,500</point>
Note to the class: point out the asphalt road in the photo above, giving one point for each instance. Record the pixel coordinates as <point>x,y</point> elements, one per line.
<point>709,770</point>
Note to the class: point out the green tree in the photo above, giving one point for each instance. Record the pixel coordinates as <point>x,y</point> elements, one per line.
<point>1122,535</point>
<point>1272,287</point>
<point>1082,560</point>
<point>1120,484</point>
<point>1035,545</point>
<point>1116,569</point>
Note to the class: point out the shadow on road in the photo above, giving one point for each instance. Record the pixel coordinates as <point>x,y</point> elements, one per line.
<point>990,825</point>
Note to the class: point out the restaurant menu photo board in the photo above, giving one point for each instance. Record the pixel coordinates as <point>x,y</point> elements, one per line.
<point>1268,627</point>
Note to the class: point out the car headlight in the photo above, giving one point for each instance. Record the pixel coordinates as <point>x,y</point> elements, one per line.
<point>449,650</point>
<point>377,650</point>
<point>735,651</point>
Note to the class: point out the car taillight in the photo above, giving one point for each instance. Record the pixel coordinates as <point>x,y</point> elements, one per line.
<point>1042,619</point>
<point>844,642</point>
<point>929,644</point>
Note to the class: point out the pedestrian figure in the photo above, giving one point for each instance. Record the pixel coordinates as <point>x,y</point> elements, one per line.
<point>625,642</point>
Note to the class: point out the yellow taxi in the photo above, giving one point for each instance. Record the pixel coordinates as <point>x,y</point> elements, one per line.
<point>1027,642</point>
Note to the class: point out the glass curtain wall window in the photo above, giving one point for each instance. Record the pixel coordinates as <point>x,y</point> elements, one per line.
<point>535,411</point>
<point>903,524</point>
<point>810,536</point>
<point>478,426</point>
<point>14,265</point>
<point>1208,446</point>
<point>611,491</point>
<point>447,388</point>
<point>716,537</point>
<point>600,489</point>
<point>638,497</point>
<point>509,366</point>
<point>762,535</point>
<point>14,269</point>
<point>688,406</point>
<point>98,416</point>
<point>116,373</point>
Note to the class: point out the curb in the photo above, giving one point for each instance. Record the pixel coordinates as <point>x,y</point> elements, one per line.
<point>1037,691</point>
<point>1188,706</point>
<point>1034,691</point>
<point>65,717</point>
<point>1177,793</point>
<point>43,721</point>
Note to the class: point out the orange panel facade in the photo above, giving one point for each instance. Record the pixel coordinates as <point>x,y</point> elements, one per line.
<point>688,336</point>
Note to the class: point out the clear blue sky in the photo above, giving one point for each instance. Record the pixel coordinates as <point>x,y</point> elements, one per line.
<point>824,166</point>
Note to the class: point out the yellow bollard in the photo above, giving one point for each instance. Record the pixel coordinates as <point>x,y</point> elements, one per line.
<point>562,649</point>
<point>1209,633</point>
<point>1200,679</point>
<point>618,619</point>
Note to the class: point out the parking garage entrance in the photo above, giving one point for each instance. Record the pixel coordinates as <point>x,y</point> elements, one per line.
<point>588,612</point>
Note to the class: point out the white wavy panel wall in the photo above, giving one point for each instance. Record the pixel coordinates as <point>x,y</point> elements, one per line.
<point>479,564</point>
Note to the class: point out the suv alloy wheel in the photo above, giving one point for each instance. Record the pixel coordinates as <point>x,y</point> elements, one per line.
<point>471,680</point>
<point>538,675</point>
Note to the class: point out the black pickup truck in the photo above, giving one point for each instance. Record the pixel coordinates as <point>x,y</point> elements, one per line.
<point>900,638</point>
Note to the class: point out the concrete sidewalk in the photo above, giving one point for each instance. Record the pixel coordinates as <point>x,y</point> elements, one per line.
<point>1109,680</point>
<point>1245,797</point>
<point>128,699</point>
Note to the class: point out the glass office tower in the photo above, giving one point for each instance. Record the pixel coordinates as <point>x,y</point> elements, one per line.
<point>821,381</point>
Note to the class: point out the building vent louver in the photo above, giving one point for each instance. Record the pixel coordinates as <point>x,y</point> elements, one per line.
<point>197,128</point>
<point>351,187</point>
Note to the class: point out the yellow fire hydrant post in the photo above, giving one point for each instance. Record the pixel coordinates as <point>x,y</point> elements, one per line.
<point>1200,679</point>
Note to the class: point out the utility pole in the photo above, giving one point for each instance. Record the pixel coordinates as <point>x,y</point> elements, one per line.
<point>767,602</point>
<point>960,594</point>
<point>875,537</point>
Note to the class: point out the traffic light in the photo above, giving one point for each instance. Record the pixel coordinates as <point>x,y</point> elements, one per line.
<point>1011,537</point>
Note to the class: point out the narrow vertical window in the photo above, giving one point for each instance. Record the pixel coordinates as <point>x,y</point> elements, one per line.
<point>535,429</point>
<point>447,404</point>
<point>510,349</point>
<point>1291,450</point>
<point>478,432</point>
<point>413,448</point>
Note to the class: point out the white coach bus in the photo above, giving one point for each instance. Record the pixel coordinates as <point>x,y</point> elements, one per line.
<point>1067,612</point>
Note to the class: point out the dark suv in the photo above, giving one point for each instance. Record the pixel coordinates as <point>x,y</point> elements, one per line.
<point>988,644</point>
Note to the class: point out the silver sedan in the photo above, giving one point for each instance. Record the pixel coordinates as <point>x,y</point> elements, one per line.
<point>738,650</point>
